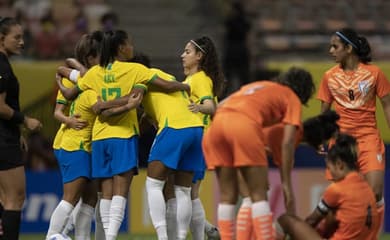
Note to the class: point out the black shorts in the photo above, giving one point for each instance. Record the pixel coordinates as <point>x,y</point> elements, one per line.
<point>10,157</point>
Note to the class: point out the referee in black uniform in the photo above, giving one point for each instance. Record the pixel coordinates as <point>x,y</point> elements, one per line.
<point>12,177</point>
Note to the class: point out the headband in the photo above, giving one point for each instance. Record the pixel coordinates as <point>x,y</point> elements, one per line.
<point>198,46</point>
<point>346,39</point>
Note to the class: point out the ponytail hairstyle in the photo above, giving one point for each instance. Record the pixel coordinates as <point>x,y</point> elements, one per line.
<point>359,43</point>
<point>6,23</point>
<point>300,81</point>
<point>89,45</point>
<point>112,40</point>
<point>321,128</point>
<point>209,63</point>
<point>345,150</point>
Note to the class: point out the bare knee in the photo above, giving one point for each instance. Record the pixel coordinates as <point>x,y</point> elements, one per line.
<point>13,200</point>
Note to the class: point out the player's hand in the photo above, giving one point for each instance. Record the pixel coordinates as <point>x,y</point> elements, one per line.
<point>187,88</point>
<point>134,100</point>
<point>76,122</point>
<point>97,107</point>
<point>32,124</point>
<point>193,107</point>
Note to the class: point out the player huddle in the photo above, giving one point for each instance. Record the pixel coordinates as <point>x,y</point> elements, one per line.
<point>103,88</point>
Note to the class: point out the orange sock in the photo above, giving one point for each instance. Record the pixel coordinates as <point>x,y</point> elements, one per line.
<point>244,223</point>
<point>226,229</point>
<point>263,227</point>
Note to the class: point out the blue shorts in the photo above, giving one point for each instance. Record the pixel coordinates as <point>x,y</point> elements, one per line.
<point>73,164</point>
<point>113,156</point>
<point>179,149</point>
<point>198,175</point>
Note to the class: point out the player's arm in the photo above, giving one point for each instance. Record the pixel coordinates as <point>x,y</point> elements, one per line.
<point>69,73</point>
<point>315,217</point>
<point>69,93</point>
<point>207,106</point>
<point>74,121</point>
<point>74,64</point>
<point>288,147</point>
<point>6,112</point>
<point>169,86</point>
<point>386,108</point>
<point>134,99</point>
<point>100,105</point>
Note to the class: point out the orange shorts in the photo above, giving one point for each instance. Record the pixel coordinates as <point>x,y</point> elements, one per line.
<point>234,140</point>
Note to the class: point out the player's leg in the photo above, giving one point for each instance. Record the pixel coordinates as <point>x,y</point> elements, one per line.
<point>256,178</point>
<point>157,174</point>
<point>244,226</point>
<point>170,199</point>
<point>61,214</point>
<point>296,228</point>
<point>182,188</point>
<point>227,180</point>
<point>12,199</point>
<point>86,212</point>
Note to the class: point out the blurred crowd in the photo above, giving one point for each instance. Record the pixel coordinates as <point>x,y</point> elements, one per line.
<point>52,27</point>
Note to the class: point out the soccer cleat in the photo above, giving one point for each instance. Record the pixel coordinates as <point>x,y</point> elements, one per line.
<point>213,234</point>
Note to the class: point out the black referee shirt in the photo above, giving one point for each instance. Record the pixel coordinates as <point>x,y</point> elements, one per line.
<point>9,131</point>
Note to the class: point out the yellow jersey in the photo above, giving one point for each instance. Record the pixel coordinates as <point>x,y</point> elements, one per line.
<point>169,109</point>
<point>72,139</point>
<point>114,81</point>
<point>201,89</point>
<point>62,100</point>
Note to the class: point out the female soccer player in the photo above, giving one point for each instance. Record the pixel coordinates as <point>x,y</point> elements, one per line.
<point>353,85</point>
<point>347,207</point>
<point>87,55</point>
<point>114,139</point>
<point>177,147</point>
<point>316,131</point>
<point>235,141</point>
<point>204,75</point>
<point>11,142</point>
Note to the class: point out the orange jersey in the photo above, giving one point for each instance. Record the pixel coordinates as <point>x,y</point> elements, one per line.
<point>273,137</point>
<point>354,94</point>
<point>354,204</point>
<point>266,103</point>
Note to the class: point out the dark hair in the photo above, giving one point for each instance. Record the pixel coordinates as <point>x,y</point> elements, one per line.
<point>6,23</point>
<point>300,81</point>
<point>359,44</point>
<point>318,129</point>
<point>142,59</point>
<point>88,45</point>
<point>345,150</point>
<point>110,46</point>
<point>209,63</point>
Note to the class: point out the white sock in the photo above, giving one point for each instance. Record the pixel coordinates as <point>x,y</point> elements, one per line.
<point>99,230</point>
<point>183,217</point>
<point>117,212</point>
<point>197,220</point>
<point>260,209</point>
<point>157,208</point>
<point>105,205</point>
<point>69,227</point>
<point>226,211</point>
<point>171,218</point>
<point>59,218</point>
<point>82,230</point>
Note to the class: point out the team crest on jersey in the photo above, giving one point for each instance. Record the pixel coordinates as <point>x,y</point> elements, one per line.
<point>364,87</point>
<point>379,157</point>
